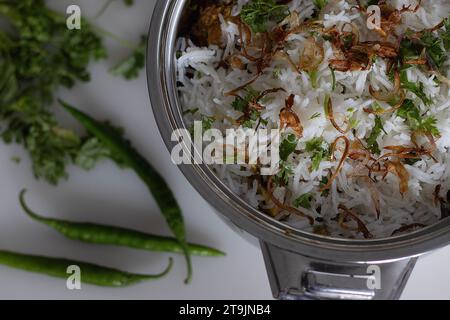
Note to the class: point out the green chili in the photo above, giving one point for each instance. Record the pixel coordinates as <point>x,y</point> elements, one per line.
<point>126,155</point>
<point>109,235</point>
<point>90,273</point>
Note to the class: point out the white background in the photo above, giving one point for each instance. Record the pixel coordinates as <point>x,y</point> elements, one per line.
<point>112,196</point>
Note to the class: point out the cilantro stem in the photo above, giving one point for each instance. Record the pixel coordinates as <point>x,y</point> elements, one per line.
<point>113,36</point>
<point>104,8</point>
<point>333,75</point>
<point>325,104</point>
<point>313,75</point>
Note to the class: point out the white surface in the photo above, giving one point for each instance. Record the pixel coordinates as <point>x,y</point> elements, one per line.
<point>111,196</point>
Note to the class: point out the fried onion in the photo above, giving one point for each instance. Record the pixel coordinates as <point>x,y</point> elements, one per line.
<point>289,119</point>
<point>361,226</point>
<point>341,162</point>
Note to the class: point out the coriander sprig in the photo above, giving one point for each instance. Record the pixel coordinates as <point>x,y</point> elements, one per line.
<point>258,13</point>
<point>377,130</point>
<point>416,121</point>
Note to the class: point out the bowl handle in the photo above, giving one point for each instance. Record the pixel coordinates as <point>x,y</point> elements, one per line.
<point>296,277</point>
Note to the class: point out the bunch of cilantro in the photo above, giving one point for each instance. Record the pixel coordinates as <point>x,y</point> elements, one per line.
<point>39,55</point>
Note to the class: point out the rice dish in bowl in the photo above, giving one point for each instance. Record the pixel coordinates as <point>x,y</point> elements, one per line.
<point>362,104</point>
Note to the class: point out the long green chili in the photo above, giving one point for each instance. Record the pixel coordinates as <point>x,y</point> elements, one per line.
<point>127,156</point>
<point>109,235</point>
<point>90,273</point>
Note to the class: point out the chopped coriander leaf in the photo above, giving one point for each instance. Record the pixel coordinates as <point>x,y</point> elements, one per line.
<point>353,122</point>
<point>376,107</point>
<point>435,52</point>
<point>248,124</point>
<point>429,125</point>
<point>252,93</point>
<point>347,40</point>
<point>287,146</point>
<point>197,74</point>
<point>323,183</point>
<point>416,121</point>
<point>372,143</point>
<point>304,200</point>
<point>408,51</point>
<point>409,111</point>
<point>254,116</point>
<point>416,88</point>
<point>434,43</point>
<point>241,104</point>
<point>314,144</point>
<point>320,151</point>
<point>320,4</point>
<point>190,111</point>
<point>284,173</point>
<point>207,123</point>
<point>410,161</point>
<point>258,13</point>
<point>315,116</point>
<point>446,34</point>
<point>276,73</point>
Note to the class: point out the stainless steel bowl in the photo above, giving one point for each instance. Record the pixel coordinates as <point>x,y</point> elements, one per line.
<point>299,264</point>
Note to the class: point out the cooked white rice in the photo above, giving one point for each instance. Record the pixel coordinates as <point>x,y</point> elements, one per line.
<point>417,206</point>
